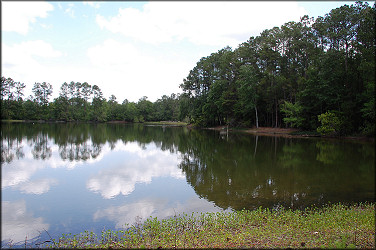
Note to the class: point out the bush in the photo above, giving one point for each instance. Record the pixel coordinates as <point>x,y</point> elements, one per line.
<point>331,123</point>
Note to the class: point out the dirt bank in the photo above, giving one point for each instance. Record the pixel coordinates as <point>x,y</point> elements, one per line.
<point>269,130</point>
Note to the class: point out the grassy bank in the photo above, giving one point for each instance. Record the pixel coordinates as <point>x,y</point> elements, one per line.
<point>335,226</point>
<point>167,123</point>
<point>12,120</point>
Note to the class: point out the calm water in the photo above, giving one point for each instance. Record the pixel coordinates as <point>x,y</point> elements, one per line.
<point>68,178</point>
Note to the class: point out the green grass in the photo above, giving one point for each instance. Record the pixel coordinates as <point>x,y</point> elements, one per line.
<point>334,226</point>
<point>169,123</point>
<point>12,120</point>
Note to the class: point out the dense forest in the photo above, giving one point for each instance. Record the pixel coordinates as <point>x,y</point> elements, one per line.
<point>313,74</point>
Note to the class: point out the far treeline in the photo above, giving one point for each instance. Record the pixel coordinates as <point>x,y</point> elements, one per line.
<point>316,74</point>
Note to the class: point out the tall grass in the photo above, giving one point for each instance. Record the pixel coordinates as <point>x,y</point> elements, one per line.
<point>333,226</point>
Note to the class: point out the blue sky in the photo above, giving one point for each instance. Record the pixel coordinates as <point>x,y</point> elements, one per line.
<point>131,49</point>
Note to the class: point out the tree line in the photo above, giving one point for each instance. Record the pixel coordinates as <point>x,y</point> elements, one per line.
<point>312,74</point>
<point>308,74</point>
<point>80,102</point>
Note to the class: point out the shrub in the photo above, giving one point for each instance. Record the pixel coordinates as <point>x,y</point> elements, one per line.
<point>331,123</point>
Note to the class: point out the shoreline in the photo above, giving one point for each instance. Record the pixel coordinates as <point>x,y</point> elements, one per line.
<point>340,226</point>
<point>262,131</point>
<point>287,133</point>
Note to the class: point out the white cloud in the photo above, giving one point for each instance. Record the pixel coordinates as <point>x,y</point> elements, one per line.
<point>17,223</point>
<point>130,71</point>
<point>112,54</point>
<point>95,5</point>
<point>70,10</point>
<point>37,48</point>
<point>24,57</point>
<point>28,62</point>
<point>17,16</point>
<point>202,23</point>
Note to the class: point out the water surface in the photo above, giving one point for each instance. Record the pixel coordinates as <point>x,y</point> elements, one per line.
<point>68,178</point>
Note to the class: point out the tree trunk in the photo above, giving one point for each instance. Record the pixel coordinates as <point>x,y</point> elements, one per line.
<point>276,114</point>
<point>257,124</point>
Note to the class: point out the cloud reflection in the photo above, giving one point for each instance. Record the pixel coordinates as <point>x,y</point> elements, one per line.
<point>127,214</point>
<point>18,174</point>
<point>37,186</point>
<point>13,174</point>
<point>17,223</point>
<point>140,167</point>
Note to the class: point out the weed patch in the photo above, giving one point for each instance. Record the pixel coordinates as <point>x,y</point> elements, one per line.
<point>333,226</point>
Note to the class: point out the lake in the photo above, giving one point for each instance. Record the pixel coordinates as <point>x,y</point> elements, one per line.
<point>68,178</point>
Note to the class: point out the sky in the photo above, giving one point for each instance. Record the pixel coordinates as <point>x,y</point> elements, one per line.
<point>131,49</point>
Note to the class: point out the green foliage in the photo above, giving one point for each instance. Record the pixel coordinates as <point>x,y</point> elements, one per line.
<point>145,109</point>
<point>167,109</point>
<point>369,107</point>
<point>247,93</point>
<point>314,65</point>
<point>99,108</point>
<point>293,113</point>
<point>331,123</point>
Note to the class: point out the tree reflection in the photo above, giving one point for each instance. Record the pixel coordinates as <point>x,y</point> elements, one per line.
<point>283,171</point>
<point>76,142</point>
<point>11,144</point>
<point>11,149</point>
<point>75,151</point>
<point>41,148</point>
<point>242,171</point>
